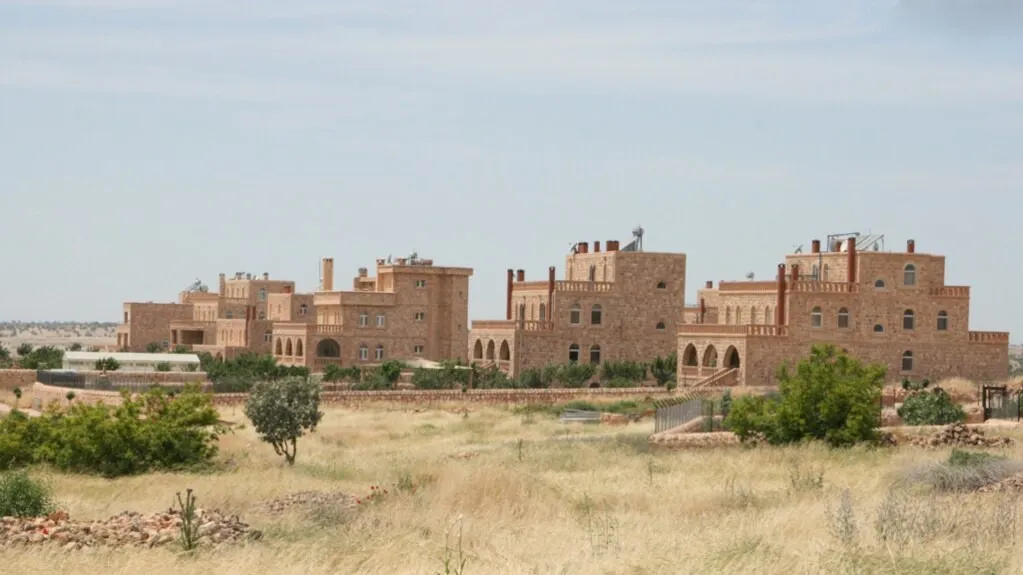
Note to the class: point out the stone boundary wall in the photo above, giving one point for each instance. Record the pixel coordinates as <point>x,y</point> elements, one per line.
<point>11,378</point>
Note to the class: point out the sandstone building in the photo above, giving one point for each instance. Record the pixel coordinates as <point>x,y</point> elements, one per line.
<point>615,304</point>
<point>410,309</point>
<point>892,308</point>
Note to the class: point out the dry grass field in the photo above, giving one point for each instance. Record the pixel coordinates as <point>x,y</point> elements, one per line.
<point>528,494</point>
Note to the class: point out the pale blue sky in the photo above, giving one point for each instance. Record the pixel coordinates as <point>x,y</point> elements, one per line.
<point>149,142</point>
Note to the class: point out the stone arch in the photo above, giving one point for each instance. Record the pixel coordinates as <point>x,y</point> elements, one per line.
<point>908,320</point>
<point>279,349</point>
<point>732,358</point>
<point>289,349</point>
<point>710,356</point>
<point>689,356</point>
<point>505,351</point>
<point>477,350</point>
<point>490,349</point>
<point>298,348</point>
<point>909,275</point>
<point>328,348</point>
<point>768,318</point>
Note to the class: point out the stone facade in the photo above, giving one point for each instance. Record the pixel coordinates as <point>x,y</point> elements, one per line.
<point>146,323</point>
<point>884,307</point>
<point>410,309</point>
<point>612,305</point>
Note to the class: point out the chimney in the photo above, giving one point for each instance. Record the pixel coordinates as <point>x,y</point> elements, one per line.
<point>550,294</point>
<point>223,285</point>
<point>795,272</point>
<point>815,247</point>
<point>910,247</point>
<point>520,275</point>
<point>287,289</point>
<point>596,247</point>
<point>612,245</point>
<point>779,308</point>
<point>709,284</point>
<point>508,306</point>
<point>852,259</point>
<point>583,248</point>
<point>363,272</point>
<point>328,274</point>
<point>266,275</point>
<point>703,309</point>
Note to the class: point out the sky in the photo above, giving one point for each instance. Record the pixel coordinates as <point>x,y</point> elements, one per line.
<point>147,143</point>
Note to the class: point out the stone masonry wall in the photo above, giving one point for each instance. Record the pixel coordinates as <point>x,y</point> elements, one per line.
<point>150,322</point>
<point>11,378</point>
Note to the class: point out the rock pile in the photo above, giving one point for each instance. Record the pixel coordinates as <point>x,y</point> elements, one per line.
<point>959,434</point>
<point>310,499</point>
<point>1009,484</point>
<point>128,529</point>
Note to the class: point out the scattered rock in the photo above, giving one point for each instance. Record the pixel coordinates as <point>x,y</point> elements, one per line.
<point>1009,484</point>
<point>959,434</point>
<point>310,498</point>
<point>128,529</point>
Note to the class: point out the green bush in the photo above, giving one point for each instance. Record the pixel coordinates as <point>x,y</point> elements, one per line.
<point>830,397</point>
<point>492,378</point>
<point>163,366</point>
<point>335,373</point>
<point>22,496</point>
<point>930,408</point>
<point>373,382</point>
<point>965,471</point>
<point>46,357</point>
<point>431,379</point>
<point>282,410</point>
<point>619,382</point>
<point>107,364</point>
<point>664,369</point>
<point>248,366</point>
<point>631,370</point>
<point>150,431</point>
<point>574,374</point>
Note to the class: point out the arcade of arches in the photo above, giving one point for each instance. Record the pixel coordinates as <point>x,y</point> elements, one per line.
<point>707,360</point>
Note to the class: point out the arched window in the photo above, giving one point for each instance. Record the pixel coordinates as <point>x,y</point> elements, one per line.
<point>262,294</point>
<point>596,315</point>
<point>522,312</point>
<point>268,336</point>
<point>660,326</point>
<point>574,314</point>
<point>543,312</point>
<point>279,348</point>
<point>595,354</point>
<point>662,285</point>
<point>816,317</point>
<point>298,348</point>
<point>878,328</point>
<point>753,314</point>
<point>573,352</point>
<point>363,352</point>
<point>879,284</point>
<point>942,321</point>
<point>593,273</point>
<point>909,275</point>
<point>907,319</point>
<point>288,350</point>
<point>302,309</point>
<point>814,272</point>
<point>380,352</point>
<point>738,315</point>
<point>363,319</point>
<point>843,317</point>
<point>827,269</point>
<point>728,315</point>
<point>907,361</point>
<point>768,318</point>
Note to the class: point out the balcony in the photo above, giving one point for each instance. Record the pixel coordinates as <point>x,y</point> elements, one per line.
<point>353,298</point>
<point>823,287</point>
<point>950,291</point>
<point>325,361</point>
<point>733,330</point>
<point>748,286</point>
<point>325,329</point>
<point>494,324</point>
<point>584,287</point>
<point>988,337</point>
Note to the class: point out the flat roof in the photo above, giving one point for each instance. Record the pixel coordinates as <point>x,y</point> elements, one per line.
<point>132,357</point>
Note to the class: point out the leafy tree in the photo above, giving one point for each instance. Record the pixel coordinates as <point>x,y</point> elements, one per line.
<point>575,374</point>
<point>155,347</point>
<point>46,357</point>
<point>181,349</point>
<point>335,373</point>
<point>830,397</point>
<point>933,407</point>
<point>663,369</point>
<point>631,370</point>
<point>107,364</point>
<point>163,366</point>
<point>5,358</point>
<point>75,347</point>
<point>431,379</point>
<point>391,370</point>
<point>281,410</point>
<point>24,349</point>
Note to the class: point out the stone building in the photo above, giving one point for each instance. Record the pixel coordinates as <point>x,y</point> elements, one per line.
<point>147,323</point>
<point>410,309</point>
<point>616,304</point>
<point>892,308</point>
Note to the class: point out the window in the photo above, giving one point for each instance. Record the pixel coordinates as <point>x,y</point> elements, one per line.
<point>907,319</point>
<point>573,316</point>
<point>816,317</point>
<point>262,315</point>
<point>229,314</point>
<point>543,312</point>
<point>662,285</point>
<point>420,283</point>
<point>595,354</point>
<point>573,352</point>
<point>363,352</point>
<point>878,328</point>
<point>302,309</point>
<point>660,326</point>
<point>380,320</point>
<point>738,315</point>
<point>420,315</point>
<point>909,275</point>
<point>942,321</point>
<point>593,273</point>
<point>814,271</point>
<point>907,361</point>
<point>380,352</point>
<point>267,336</point>
<point>595,314</point>
<point>878,284</point>
<point>418,349</point>
<point>363,319</point>
<point>843,318</point>
<point>728,315</point>
<point>827,269</point>
<point>262,294</point>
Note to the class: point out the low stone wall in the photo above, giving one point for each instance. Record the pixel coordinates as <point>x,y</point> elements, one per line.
<point>11,378</point>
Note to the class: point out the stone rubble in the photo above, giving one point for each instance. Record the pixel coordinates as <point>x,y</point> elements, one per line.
<point>1009,484</point>
<point>127,529</point>
<point>310,499</point>
<point>958,434</point>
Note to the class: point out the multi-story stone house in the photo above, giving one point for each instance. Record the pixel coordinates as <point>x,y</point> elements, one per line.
<point>892,308</point>
<point>410,309</point>
<point>615,304</point>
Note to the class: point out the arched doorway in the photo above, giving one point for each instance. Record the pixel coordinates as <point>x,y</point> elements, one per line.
<point>328,348</point>
<point>490,349</point>
<point>289,350</point>
<point>298,348</point>
<point>732,358</point>
<point>505,351</point>
<point>710,357</point>
<point>279,349</point>
<point>477,350</point>
<point>689,357</point>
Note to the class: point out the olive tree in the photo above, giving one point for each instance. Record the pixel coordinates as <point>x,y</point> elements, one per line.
<point>282,410</point>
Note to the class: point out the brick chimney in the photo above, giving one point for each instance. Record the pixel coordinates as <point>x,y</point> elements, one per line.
<point>910,247</point>
<point>508,305</point>
<point>520,275</point>
<point>815,247</point>
<point>328,274</point>
<point>703,309</point>
<point>583,248</point>
<point>266,275</point>
<point>223,285</point>
<point>596,246</point>
<point>795,272</point>
<point>852,259</point>
<point>612,245</point>
<point>779,308</point>
<point>550,293</point>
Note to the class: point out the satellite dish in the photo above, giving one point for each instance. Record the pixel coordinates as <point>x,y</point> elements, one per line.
<point>798,249</point>
<point>750,276</point>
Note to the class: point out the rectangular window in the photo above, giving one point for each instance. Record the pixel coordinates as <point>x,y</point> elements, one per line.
<point>420,283</point>
<point>380,352</point>
<point>420,315</point>
<point>363,319</point>
<point>363,353</point>
<point>380,320</point>
<point>417,349</point>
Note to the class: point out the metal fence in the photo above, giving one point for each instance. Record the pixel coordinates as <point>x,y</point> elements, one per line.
<point>999,402</point>
<point>135,383</point>
<point>672,413</point>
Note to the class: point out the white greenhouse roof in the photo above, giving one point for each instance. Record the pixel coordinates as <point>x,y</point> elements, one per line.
<point>173,358</point>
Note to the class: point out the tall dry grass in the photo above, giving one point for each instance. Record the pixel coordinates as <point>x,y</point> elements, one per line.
<point>530,495</point>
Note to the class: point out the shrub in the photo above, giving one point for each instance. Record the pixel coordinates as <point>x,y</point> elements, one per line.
<point>22,496</point>
<point>492,378</point>
<point>372,382</point>
<point>619,382</point>
<point>965,471</point>
<point>391,371</point>
<point>46,357</point>
<point>631,370</point>
<point>282,410</point>
<point>574,374</point>
<point>664,369</point>
<point>432,379</point>
<point>107,364</point>
<point>830,397</point>
<point>930,408</point>
<point>24,349</point>
<point>163,366</point>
